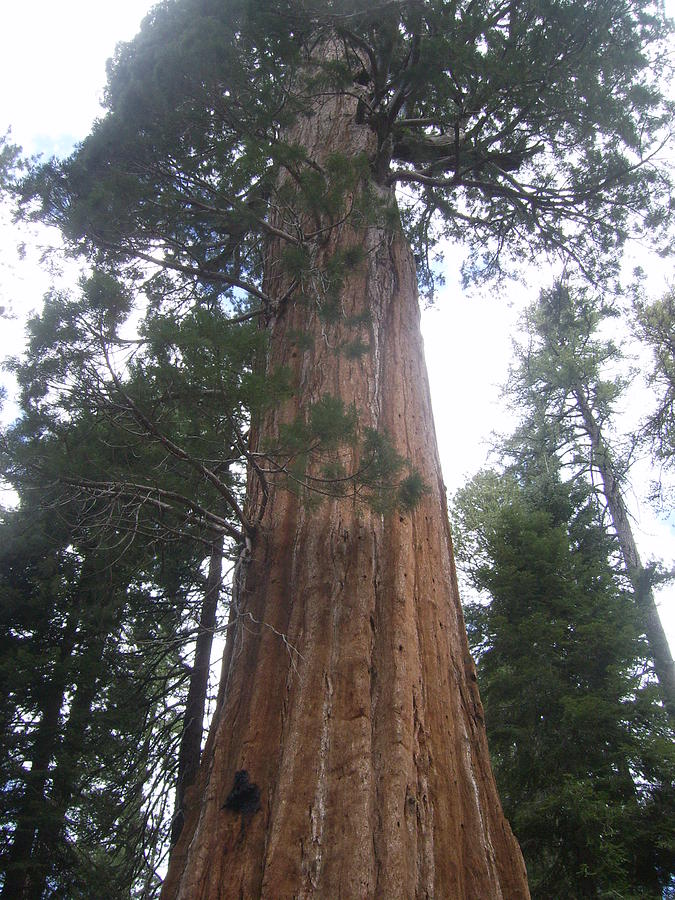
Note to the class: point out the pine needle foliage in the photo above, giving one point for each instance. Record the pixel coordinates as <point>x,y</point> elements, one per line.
<point>581,747</point>
<point>655,326</point>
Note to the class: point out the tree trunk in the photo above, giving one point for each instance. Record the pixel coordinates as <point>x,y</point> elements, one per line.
<point>50,842</point>
<point>191,739</point>
<point>21,863</point>
<point>639,577</point>
<point>349,695</point>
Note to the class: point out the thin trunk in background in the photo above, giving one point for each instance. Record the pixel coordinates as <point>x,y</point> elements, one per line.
<point>191,740</point>
<point>664,667</point>
<point>20,865</point>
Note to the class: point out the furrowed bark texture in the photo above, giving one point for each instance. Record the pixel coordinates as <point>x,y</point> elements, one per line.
<point>348,692</point>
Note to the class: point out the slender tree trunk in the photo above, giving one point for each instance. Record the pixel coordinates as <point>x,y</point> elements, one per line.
<point>349,695</point>
<point>20,864</point>
<point>68,757</point>
<point>191,739</point>
<point>59,746</point>
<point>644,596</point>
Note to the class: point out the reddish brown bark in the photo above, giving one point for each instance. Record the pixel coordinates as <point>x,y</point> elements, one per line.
<point>362,725</point>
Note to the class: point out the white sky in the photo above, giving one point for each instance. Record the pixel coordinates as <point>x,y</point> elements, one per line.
<point>52,72</point>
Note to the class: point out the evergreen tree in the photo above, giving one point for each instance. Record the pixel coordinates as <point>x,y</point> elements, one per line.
<point>82,669</point>
<point>98,621</point>
<point>563,385</point>
<point>246,170</point>
<point>582,751</point>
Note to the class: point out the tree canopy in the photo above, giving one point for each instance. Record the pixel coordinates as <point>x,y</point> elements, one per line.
<point>515,128</point>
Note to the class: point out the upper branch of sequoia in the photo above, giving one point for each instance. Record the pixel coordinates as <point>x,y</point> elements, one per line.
<point>539,126</point>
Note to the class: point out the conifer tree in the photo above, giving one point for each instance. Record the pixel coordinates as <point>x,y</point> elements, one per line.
<point>98,621</point>
<point>582,749</point>
<point>246,170</point>
<point>563,385</point>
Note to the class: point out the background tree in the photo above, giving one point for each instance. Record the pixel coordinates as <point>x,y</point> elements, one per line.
<point>104,604</point>
<point>565,384</point>
<point>254,148</point>
<point>60,657</point>
<point>561,665</point>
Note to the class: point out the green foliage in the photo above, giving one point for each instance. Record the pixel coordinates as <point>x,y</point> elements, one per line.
<point>581,748</point>
<point>301,340</point>
<point>107,299</point>
<point>355,349</point>
<point>330,311</point>
<point>379,461</point>
<point>85,650</point>
<point>381,468</point>
<point>295,261</point>
<point>410,491</point>
<point>353,257</point>
<point>519,131</point>
<point>655,323</point>
<point>10,163</point>
<point>566,389</point>
<point>327,425</point>
<point>325,453</point>
<point>564,382</point>
<point>330,422</point>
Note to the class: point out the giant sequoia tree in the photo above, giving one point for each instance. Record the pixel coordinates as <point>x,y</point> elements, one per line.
<point>248,166</point>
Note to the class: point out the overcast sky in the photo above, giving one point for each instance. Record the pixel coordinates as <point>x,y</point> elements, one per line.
<point>52,72</point>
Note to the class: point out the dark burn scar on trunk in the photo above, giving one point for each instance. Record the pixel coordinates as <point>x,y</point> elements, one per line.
<point>244,797</point>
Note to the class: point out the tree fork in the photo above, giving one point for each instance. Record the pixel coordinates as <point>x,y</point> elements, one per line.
<point>348,694</point>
